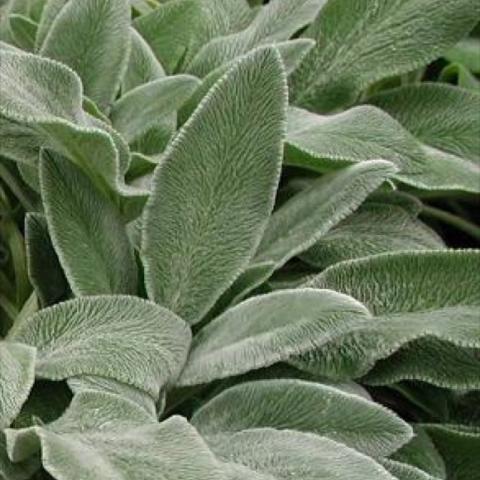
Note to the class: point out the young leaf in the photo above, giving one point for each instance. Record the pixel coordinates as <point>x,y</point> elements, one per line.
<point>359,43</point>
<point>269,329</point>
<point>120,441</point>
<point>144,107</point>
<point>465,52</point>
<point>49,13</point>
<point>299,223</point>
<point>44,269</point>
<point>143,66</point>
<point>305,407</point>
<point>195,244</point>
<point>375,228</point>
<point>276,21</point>
<point>118,337</point>
<point>17,374</point>
<point>283,455</point>
<point>23,30</point>
<point>15,471</point>
<point>93,38</point>
<point>169,30</point>
<point>87,231</point>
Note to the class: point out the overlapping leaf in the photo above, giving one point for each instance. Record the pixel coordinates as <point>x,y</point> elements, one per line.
<point>118,337</point>
<point>275,22</point>
<point>93,39</point>
<point>268,329</point>
<point>417,315</point>
<point>282,455</point>
<point>359,43</point>
<point>375,228</point>
<point>445,119</point>
<point>120,440</point>
<point>306,407</point>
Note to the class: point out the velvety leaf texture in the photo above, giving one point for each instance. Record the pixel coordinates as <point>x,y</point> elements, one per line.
<point>202,241</point>
<point>119,337</point>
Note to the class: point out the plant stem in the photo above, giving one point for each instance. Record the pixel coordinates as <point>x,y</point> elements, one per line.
<point>451,219</point>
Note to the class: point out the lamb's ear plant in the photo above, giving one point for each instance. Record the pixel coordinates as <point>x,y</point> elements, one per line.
<point>238,240</point>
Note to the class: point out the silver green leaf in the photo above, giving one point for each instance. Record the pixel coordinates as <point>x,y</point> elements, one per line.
<point>87,231</point>
<point>92,38</point>
<point>143,66</point>
<point>287,454</point>
<point>445,119</point>
<point>306,217</point>
<point>359,43</point>
<point>149,105</point>
<point>120,441</point>
<point>213,191</point>
<point>375,228</point>
<point>17,374</point>
<point>117,337</point>
<point>403,471</point>
<point>170,29</point>
<point>49,13</point>
<point>306,407</point>
<point>277,21</point>
<point>268,329</point>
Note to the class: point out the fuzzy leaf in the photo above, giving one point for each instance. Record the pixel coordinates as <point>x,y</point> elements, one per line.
<point>47,97</point>
<point>143,66</point>
<point>23,30</point>
<point>446,120</point>
<point>93,38</point>
<point>306,407</point>
<point>87,232</point>
<point>277,21</point>
<point>17,374</point>
<point>269,329</point>
<point>375,228</point>
<point>282,455</point>
<point>15,471</point>
<point>403,471</point>
<point>299,223</point>
<point>118,337</point>
<point>230,171</point>
<point>119,440</point>
<point>49,14</point>
<point>419,319</point>
<point>169,29</point>
<point>359,43</point>
<point>465,52</point>
<point>144,107</point>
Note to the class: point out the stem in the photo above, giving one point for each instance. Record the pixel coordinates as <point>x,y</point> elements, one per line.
<point>451,219</point>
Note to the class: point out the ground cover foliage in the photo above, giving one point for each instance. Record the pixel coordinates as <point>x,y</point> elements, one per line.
<point>238,240</point>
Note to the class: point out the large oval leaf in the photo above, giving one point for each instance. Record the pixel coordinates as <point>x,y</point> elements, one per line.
<point>213,192</point>
<point>282,455</point>
<point>93,38</point>
<point>306,407</point>
<point>118,337</point>
<point>268,329</point>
